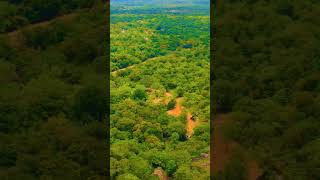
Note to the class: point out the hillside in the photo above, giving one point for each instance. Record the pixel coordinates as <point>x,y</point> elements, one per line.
<point>52,92</point>
<point>159,95</point>
<point>266,86</point>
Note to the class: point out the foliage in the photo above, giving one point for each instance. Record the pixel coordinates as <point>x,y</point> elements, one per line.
<point>17,13</point>
<point>267,80</point>
<point>157,53</point>
<point>171,104</point>
<point>52,109</point>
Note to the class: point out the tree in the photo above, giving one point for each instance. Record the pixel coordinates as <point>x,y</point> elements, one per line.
<point>127,177</point>
<point>6,51</point>
<point>44,97</point>
<point>140,167</point>
<point>42,37</point>
<point>171,104</point>
<point>90,104</point>
<point>81,50</point>
<point>139,93</point>
<point>235,169</point>
<point>183,173</point>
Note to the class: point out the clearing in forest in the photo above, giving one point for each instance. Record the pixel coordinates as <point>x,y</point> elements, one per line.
<point>177,110</point>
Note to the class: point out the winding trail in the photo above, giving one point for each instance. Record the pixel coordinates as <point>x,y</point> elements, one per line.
<point>16,37</point>
<point>42,23</point>
<point>177,110</point>
<point>134,65</point>
<point>191,124</point>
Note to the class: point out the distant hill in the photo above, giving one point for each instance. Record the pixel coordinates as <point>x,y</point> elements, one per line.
<point>168,2</point>
<point>195,7</point>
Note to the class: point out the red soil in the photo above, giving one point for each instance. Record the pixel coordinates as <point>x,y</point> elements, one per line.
<point>254,170</point>
<point>160,173</point>
<point>191,124</point>
<point>168,97</point>
<point>223,149</point>
<point>176,111</point>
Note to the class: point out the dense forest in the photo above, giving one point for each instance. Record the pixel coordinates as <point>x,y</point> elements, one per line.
<point>267,86</point>
<point>53,89</point>
<point>15,14</point>
<point>265,89</point>
<point>160,93</point>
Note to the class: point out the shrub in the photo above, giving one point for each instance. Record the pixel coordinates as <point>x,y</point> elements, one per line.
<point>171,104</point>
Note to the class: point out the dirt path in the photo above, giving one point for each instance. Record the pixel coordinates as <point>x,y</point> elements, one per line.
<point>134,65</point>
<point>176,111</point>
<point>191,124</point>
<point>43,23</point>
<point>223,150</point>
<point>160,173</point>
<point>16,37</point>
<point>168,97</point>
<point>203,162</point>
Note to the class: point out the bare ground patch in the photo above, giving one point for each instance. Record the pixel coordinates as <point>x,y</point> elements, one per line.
<point>223,150</point>
<point>160,173</point>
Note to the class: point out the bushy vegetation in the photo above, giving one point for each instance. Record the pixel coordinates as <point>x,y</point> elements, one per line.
<point>158,7</point>
<point>151,55</point>
<point>53,92</point>
<point>267,81</point>
<point>17,13</point>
